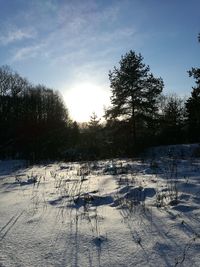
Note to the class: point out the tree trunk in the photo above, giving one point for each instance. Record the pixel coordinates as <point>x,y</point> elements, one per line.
<point>133,126</point>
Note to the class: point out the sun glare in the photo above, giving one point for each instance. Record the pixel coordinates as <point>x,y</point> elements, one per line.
<point>85,98</point>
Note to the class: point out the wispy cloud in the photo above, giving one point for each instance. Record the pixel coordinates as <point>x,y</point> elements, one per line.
<point>72,33</point>
<point>15,35</point>
<point>27,52</point>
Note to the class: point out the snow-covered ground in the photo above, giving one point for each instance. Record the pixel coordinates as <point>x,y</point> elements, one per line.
<point>106,213</point>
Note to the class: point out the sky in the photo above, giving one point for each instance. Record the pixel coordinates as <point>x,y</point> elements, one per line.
<point>70,45</point>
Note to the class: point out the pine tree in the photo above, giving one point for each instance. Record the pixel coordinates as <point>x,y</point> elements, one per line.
<point>172,120</point>
<point>93,124</point>
<point>134,94</point>
<point>193,113</point>
<point>193,106</point>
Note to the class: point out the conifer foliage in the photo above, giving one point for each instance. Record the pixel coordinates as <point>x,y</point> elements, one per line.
<point>135,92</point>
<point>193,107</point>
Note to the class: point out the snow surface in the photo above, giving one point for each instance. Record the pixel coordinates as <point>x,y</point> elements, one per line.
<point>105,213</point>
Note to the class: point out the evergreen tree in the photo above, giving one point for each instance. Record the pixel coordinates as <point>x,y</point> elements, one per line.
<point>172,120</point>
<point>93,136</point>
<point>94,122</point>
<point>134,95</point>
<point>193,112</point>
<point>193,107</point>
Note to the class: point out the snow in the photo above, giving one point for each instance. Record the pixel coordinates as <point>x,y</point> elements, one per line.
<point>105,213</point>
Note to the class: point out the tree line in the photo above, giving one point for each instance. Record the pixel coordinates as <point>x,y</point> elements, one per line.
<point>35,124</point>
<point>34,121</point>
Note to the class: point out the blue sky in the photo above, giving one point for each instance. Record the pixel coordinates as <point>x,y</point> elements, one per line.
<point>69,45</point>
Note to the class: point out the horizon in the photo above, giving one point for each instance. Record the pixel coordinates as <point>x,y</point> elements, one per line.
<point>71,46</point>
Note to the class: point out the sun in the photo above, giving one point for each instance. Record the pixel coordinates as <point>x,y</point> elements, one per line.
<point>85,98</point>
